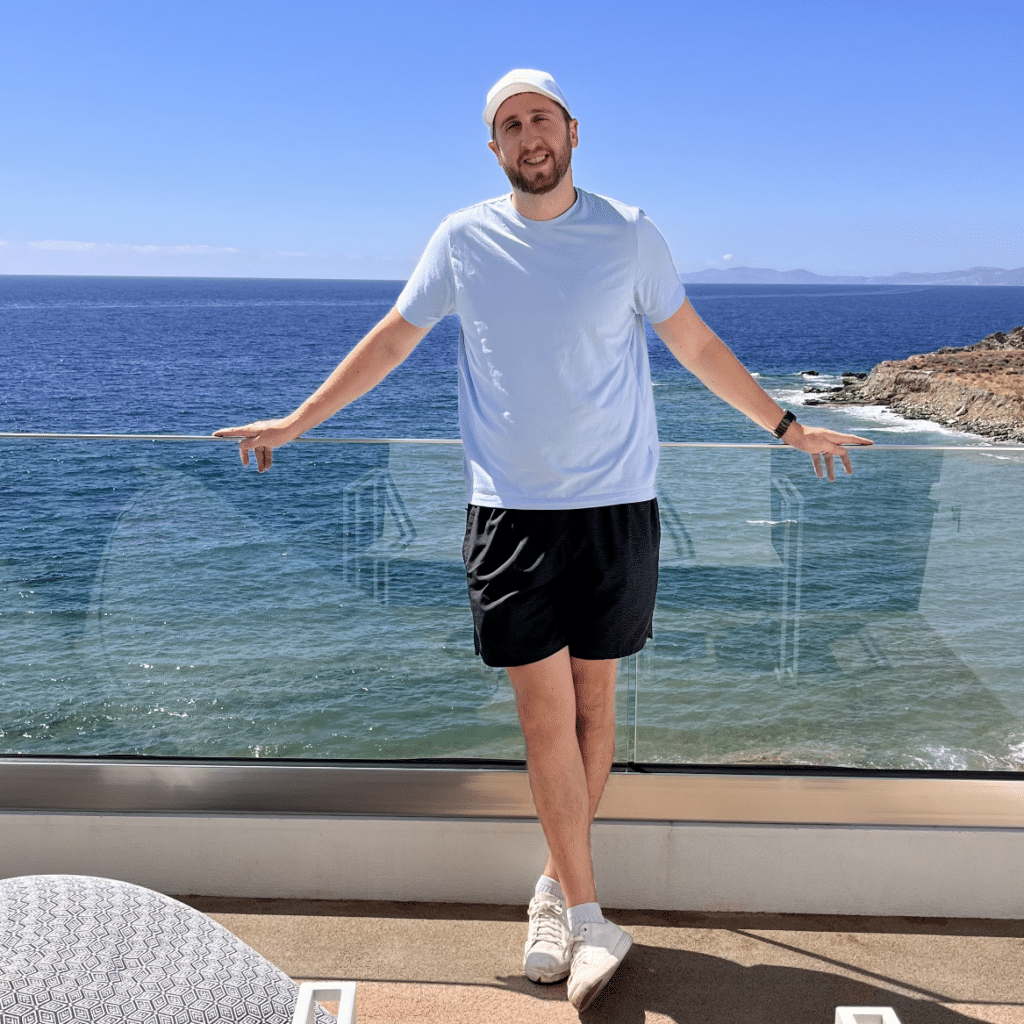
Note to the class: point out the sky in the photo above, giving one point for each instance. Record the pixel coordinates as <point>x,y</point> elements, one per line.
<point>327,140</point>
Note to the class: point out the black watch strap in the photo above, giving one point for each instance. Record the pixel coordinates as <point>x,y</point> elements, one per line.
<point>784,423</point>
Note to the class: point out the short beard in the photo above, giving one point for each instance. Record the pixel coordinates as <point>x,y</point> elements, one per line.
<point>549,182</point>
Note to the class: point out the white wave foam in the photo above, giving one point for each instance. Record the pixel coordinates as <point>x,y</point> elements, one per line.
<point>932,756</point>
<point>874,419</point>
<point>890,422</point>
<point>787,396</point>
<point>834,379</point>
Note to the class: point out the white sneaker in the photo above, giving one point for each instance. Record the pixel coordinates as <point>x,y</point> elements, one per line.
<point>546,956</point>
<point>596,951</point>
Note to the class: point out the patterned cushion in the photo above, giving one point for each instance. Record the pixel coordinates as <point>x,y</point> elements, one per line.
<point>76,949</point>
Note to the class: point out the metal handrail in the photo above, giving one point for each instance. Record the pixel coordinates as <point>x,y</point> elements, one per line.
<point>763,445</point>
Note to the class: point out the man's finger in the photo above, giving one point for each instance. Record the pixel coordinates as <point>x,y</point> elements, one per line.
<point>831,467</point>
<point>244,452</point>
<point>852,439</point>
<point>816,459</point>
<point>846,462</point>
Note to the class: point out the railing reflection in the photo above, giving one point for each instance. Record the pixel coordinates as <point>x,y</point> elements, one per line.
<point>156,600</point>
<point>870,623</point>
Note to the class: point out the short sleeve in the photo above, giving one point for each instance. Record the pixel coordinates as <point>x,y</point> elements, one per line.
<point>658,292</point>
<point>429,295</point>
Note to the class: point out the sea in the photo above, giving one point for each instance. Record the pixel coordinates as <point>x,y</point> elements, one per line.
<point>157,599</point>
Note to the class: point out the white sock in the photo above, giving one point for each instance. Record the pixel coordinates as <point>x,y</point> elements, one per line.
<point>551,886</point>
<point>585,913</point>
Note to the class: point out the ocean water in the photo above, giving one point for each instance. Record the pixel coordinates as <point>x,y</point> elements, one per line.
<point>157,599</point>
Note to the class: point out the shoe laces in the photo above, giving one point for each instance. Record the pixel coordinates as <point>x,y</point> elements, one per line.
<point>546,921</point>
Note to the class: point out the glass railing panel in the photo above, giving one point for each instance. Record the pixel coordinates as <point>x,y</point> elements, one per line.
<point>156,599</point>
<point>873,622</point>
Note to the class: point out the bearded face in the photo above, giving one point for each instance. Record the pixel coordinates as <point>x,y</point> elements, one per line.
<point>541,168</point>
<point>533,141</point>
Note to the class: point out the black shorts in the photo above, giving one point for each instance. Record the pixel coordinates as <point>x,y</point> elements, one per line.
<point>583,578</point>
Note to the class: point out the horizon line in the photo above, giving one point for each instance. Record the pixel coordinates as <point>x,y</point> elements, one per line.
<point>874,279</point>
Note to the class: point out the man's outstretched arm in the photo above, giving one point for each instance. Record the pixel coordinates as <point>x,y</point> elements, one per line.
<point>387,345</point>
<point>711,361</point>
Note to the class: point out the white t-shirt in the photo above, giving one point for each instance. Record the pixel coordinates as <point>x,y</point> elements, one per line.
<point>556,408</point>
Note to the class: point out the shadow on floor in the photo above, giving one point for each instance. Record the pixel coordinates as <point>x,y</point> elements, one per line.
<point>695,988</point>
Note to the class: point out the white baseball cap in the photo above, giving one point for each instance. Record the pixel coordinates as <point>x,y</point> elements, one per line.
<point>522,80</point>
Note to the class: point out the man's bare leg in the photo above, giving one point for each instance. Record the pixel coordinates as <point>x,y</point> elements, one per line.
<point>594,683</point>
<point>567,712</point>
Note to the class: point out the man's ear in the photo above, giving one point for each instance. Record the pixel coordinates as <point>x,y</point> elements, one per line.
<point>493,147</point>
<point>574,138</point>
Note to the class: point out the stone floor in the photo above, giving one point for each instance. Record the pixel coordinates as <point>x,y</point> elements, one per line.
<point>461,964</point>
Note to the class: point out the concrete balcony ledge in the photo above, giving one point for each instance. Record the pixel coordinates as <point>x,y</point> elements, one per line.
<point>681,866</point>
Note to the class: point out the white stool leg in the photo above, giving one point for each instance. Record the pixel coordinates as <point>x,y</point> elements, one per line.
<point>865,1015</point>
<point>312,991</point>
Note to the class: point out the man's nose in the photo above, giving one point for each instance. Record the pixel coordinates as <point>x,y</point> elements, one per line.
<point>531,134</point>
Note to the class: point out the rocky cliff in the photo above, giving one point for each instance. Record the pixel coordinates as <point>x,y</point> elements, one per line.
<point>979,388</point>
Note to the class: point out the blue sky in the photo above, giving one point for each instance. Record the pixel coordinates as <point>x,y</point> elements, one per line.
<point>310,139</point>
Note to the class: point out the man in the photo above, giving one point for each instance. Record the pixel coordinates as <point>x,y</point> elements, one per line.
<point>557,418</point>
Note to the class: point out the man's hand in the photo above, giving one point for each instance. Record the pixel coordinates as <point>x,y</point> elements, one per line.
<point>261,438</point>
<point>387,344</point>
<point>710,360</point>
<point>818,442</point>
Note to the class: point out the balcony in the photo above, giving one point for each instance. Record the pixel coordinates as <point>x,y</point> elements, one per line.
<point>182,637</point>
<point>261,691</point>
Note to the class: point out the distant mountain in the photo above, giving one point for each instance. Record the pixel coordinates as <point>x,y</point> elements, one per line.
<point>758,275</point>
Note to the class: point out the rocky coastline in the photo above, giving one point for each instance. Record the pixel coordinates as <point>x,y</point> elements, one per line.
<point>978,388</point>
